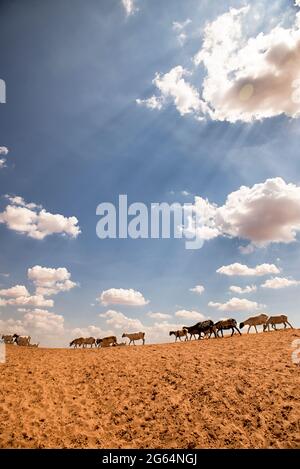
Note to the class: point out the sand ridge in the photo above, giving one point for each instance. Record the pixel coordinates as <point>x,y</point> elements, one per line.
<point>239,392</point>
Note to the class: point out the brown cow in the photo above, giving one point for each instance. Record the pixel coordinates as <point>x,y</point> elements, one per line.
<point>273,320</point>
<point>106,341</point>
<point>179,334</point>
<point>8,339</point>
<point>77,342</point>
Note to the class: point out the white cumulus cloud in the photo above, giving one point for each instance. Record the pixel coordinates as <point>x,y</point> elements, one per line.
<point>35,222</point>
<point>236,304</point>
<point>244,78</point>
<point>244,270</point>
<point>41,321</point>
<point>192,315</point>
<point>159,315</point>
<point>12,326</point>
<point>118,320</point>
<point>265,213</point>
<point>40,324</point>
<point>37,301</point>
<point>249,78</point>
<point>280,282</point>
<point>14,292</point>
<point>90,331</point>
<point>241,291</point>
<point>174,88</point>
<point>49,281</point>
<point>198,289</point>
<point>121,296</point>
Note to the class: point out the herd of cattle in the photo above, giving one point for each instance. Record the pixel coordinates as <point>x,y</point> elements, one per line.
<point>24,341</point>
<point>204,329</point>
<point>106,341</point>
<point>208,327</point>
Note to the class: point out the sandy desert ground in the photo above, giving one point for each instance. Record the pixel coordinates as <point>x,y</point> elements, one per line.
<point>240,392</point>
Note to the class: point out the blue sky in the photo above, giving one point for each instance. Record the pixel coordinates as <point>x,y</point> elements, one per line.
<point>77,137</point>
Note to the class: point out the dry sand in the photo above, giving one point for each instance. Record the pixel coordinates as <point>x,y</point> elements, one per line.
<point>240,392</point>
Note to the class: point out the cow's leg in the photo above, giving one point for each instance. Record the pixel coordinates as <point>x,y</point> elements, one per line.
<point>290,325</point>
<point>232,331</point>
<point>248,329</point>
<point>143,341</point>
<point>256,328</point>
<point>237,329</point>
